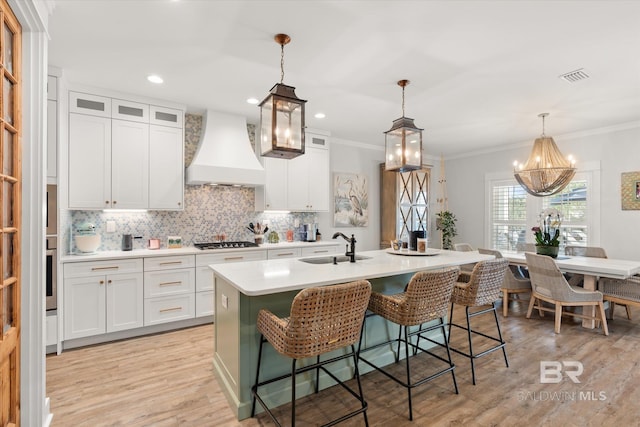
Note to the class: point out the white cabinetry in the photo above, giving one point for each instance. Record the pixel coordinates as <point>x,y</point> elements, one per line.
<point>129,164</point>
<point>166,175</point>
<point>205,285</point>
<point>102,297</point>
<point>52,129</point>
<point>300,184</point>
<point>124,154</point>
<point>89,162</point>
<point>169,284</point>
<point>273,195</point>
<point>283,253</point>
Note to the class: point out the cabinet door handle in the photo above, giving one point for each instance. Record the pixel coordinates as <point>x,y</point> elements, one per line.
<point>170,262</point>
<point>101,282</point>
<point>106,202</point>
<point>114,267</point>
<point>114,202</point>
<point>320,251</point>
<point>166,310</point>
<point>287,254</point>
<point>109,281</point>
<point>233,258</point>
<point>178,282</point>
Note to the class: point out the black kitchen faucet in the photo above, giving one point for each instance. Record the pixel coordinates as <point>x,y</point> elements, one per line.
<point>352,241</point>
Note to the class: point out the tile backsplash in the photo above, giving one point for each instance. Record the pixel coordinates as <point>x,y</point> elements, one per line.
<point>209,211</point>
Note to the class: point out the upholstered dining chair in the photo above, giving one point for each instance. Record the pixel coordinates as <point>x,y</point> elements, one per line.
<point>464,247</point>
<point>512,286</point>
<point>578,279</point>
<point>482,290</point>
<point>322,319</point>
<point>424,300</point>
<point>549,284</point>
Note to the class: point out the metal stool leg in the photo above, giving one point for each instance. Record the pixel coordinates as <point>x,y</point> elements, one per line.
<point>450,322</point>
<point>473,369</point>
<point>293,393</point>
<point>357,373</point>
<point>446,343</point>
<point>504,351</point>
<point>406,347</point>
<point>253,399</point>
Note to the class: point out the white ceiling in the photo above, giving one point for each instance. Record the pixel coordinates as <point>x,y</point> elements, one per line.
<point>480,71</point>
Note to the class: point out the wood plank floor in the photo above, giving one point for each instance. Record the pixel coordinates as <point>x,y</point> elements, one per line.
<point>167,380</point>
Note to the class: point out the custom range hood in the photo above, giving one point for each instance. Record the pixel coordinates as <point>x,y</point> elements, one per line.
<point>224,153</point>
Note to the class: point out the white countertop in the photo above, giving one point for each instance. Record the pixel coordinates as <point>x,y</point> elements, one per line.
<point>189,250</point>
<point>255,278</point>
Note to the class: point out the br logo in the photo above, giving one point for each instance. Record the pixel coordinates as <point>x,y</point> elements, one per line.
<point>551,371</point>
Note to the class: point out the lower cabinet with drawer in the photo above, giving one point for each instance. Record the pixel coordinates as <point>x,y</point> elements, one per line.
<point>204,276</point>
<point>169,285</point>
<point>102,297</point>
<point>169,308</point>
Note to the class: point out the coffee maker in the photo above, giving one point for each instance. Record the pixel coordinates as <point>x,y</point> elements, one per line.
<point>309,232</point>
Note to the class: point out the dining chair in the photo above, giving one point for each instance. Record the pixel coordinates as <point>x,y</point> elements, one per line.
<point>322,319</point>
<point>620,291</point>
<point>512,286</point>
<point>549,284</point>
<point>424,300</point>
<point>464,247</point>
<point>482,290</point>
<point>578,279</point>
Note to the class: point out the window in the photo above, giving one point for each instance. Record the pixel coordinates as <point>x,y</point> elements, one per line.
<point>508,215</point>
<point>512,212</point>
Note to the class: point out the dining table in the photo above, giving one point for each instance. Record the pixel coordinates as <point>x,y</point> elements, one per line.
<point>590,267</point>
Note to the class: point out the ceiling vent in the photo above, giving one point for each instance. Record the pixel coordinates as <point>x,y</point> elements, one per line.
<point>575,76</point>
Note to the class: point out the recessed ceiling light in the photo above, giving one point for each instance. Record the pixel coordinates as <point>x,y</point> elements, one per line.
<point>154,78</point>
<point>253,101</point>
<point>319,116</point>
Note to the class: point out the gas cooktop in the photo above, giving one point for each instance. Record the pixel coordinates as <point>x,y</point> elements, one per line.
<point>225,245</point>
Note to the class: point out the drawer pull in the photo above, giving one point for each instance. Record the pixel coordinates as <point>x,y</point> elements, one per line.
<point>233,258</point>
<point>115,267</point>
<point>287,254</point>
<point>321,251</point>
<point>165,310</point>
<point>178,282</point>
<point>170,262</point>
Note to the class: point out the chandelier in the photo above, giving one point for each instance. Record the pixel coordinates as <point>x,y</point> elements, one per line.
<point>282,116</point>
<point>546,172</point>
<point>403,142</point>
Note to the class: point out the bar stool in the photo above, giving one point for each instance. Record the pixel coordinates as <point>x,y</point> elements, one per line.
<point>425,298</point>
<point>482,289</point>
<point>511,284</point>
<point>322,319</point>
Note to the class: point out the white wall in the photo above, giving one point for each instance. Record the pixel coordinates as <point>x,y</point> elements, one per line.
<point>616,149</point>
<point>353,157</point>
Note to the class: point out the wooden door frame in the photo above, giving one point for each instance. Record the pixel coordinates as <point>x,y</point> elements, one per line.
<point>33,16</point>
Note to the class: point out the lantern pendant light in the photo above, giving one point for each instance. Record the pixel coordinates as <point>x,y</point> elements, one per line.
<point>282,116</point>
<point>403,142</point>
<point>546,172</point>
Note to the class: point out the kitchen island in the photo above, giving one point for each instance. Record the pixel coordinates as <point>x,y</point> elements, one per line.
<point>241,290</point>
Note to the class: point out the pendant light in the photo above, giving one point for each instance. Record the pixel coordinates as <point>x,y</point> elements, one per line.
<point>282,116</point>
<point>403,142</point>
<point>546,172</point>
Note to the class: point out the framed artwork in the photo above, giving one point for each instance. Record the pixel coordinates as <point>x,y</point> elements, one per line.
<point>630,190</point>
<point>350,200</point>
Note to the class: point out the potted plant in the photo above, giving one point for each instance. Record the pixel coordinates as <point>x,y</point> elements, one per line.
<point>547,235</point>
<point>446,223</point>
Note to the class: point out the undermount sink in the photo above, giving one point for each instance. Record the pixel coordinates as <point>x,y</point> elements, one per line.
<point>329,259</point>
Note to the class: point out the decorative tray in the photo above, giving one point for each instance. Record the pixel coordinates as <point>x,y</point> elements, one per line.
<point>406,252</point>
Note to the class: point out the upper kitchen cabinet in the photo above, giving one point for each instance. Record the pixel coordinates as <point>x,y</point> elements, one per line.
<point>52,129</point>
<point>300,184</point>
<point>124,154</point>
<point>308,176</point>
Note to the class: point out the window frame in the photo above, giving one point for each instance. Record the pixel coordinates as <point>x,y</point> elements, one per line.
<point>588,171</point>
